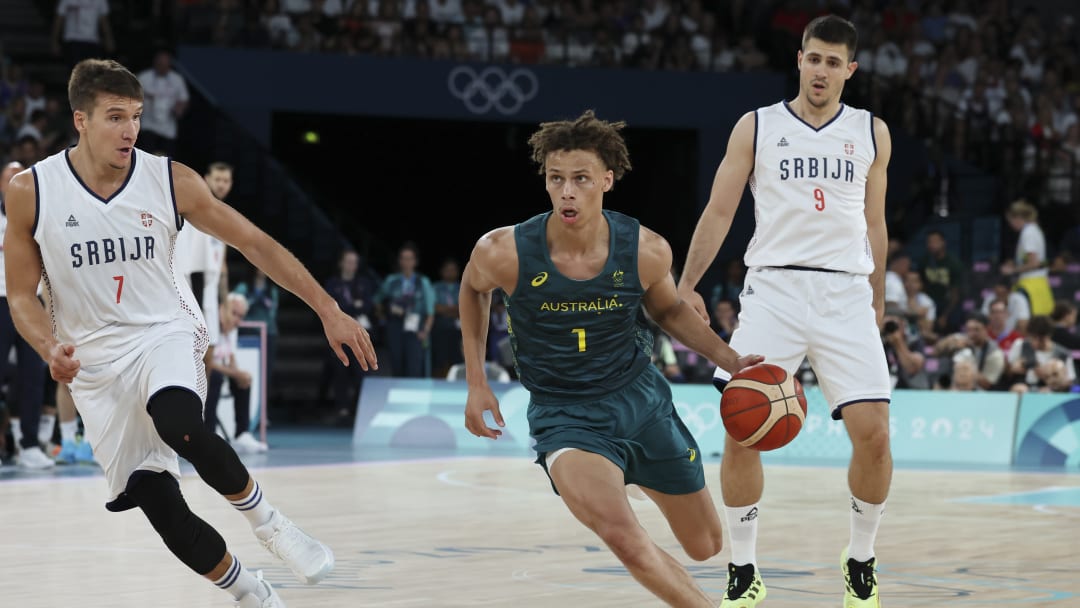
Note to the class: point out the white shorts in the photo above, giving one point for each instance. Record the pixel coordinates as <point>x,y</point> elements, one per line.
<point>112,397</point>
<point>826,317</point>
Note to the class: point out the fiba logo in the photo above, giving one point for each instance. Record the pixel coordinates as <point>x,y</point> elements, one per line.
<point>146,219</point>
<point>493,88</point>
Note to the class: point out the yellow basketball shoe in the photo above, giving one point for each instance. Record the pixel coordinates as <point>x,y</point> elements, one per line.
<point>860,582</point>
<point>744,587</point>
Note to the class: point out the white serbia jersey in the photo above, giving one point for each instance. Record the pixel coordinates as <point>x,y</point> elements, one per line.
<point>108,264</point>
<point>809,188</point>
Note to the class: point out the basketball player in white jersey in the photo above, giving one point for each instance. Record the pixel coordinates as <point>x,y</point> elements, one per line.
<point>815,286</point>
<point>98,222</point>
<point>200,259</point>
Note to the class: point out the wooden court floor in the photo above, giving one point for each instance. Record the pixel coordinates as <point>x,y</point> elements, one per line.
<point>489,532</point>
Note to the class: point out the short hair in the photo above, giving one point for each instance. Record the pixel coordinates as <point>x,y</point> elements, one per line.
<point>219,166</point>
<point>1023,210</point>
<point>586,132</point>
<point>92,77</point>
<point>833,30</point>
<point>1062,309</point>
<point>980,318</point>
<point>1040,326</point>
<point>935,232</point>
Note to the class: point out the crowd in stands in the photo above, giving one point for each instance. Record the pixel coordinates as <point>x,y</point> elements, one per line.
<point>995,84</point>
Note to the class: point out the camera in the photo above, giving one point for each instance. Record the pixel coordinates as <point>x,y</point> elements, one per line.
<point>889,327</point>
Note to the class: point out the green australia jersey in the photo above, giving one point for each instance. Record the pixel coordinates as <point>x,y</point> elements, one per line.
<point>577,339</point>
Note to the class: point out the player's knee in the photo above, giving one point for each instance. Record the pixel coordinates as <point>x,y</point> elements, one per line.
<point>872,442</point>
<point>177,416</point>
<point>189,538</point>
<point>625,539</point>
<point>704,546</point>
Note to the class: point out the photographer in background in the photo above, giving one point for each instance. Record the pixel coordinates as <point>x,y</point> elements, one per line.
<point>904,351</point>
<point>974,342</point>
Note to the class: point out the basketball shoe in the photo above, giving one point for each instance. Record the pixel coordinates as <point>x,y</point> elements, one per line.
<point>251,600</point>
<point>745,588</point>
<point>66,455</point>
<point>860,582</point>
<point>309,559</point>
<point>84,452</point>
<point>35,459</point>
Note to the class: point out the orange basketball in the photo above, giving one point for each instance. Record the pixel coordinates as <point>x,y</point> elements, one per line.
<point>763,407</point>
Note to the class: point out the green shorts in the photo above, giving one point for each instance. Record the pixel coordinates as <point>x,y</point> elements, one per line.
<point>635,427</point>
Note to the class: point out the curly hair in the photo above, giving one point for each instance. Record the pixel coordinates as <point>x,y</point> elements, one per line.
<point>586,132</point>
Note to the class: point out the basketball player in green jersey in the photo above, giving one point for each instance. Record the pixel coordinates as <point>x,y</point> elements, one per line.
<point>578,281</point>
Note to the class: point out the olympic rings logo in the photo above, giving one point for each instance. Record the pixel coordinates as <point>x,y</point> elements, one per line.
<point>699,418</point>
<point>493,87</point>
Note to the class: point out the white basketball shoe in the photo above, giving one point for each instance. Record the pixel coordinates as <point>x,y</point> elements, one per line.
<point>309,559</point>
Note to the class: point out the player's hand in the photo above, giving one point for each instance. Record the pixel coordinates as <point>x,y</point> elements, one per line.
<point>343,331</point>
<point>694,299</point>
<point>479,401</point>
<point>746,361</point>
<point>63,367</point>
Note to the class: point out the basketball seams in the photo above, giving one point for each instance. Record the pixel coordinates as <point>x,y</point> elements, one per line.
<point>756,416</point>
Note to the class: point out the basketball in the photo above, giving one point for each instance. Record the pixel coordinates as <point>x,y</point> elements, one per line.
<point>763,407</point>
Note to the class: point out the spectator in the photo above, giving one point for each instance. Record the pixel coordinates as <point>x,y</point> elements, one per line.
<point>1064,319</point>
<point>904,352</point>
<point>918,306</point>
<point>165,99</point>
<point>81,30</point>
<point>26,388</point>
<point>353,288</point>
<point>964,374</point>
<point>899,266</point>
<point>1036,363</point>
<point>1015,302</point>
<point>942,274</point>
<point>406,302</point>
<point>224,365</point>
<point>1029,263</point>
<point>446,331</point>
<point>725,319</point>
<point>975,344</point>
<point>997,330</point>
<point>263,297</point>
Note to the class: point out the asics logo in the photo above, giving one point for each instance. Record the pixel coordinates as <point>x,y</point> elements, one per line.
<point>493,88</point>
<point>539,279</point>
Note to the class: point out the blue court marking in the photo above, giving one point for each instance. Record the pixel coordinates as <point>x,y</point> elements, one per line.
<point>1058,496</point>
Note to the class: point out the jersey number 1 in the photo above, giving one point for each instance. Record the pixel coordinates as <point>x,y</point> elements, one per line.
<point>119,286</point>
<point>819,196</point>
<point>580,331</point>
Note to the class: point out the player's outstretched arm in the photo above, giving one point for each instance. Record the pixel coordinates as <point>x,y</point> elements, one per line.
<point>715,221</point>
<point>197,205</point>
<point>493,264</point>
<point>876,230</point>
<point>675,315</point>
<point>22,265</point>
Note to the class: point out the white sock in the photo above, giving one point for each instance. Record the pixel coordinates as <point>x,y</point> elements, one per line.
<point>16,433</point>
<point>239,581</point>
<point>865,518</point>
<point>68,430</point>
<point>742,527</point>
<point>45,428</point>
<point>254,507</point>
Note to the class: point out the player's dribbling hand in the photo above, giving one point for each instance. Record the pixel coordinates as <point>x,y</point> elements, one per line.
<point>62,366</point>
<point>343,330</point>
<point>478,402</point>
<point>746,361</point>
